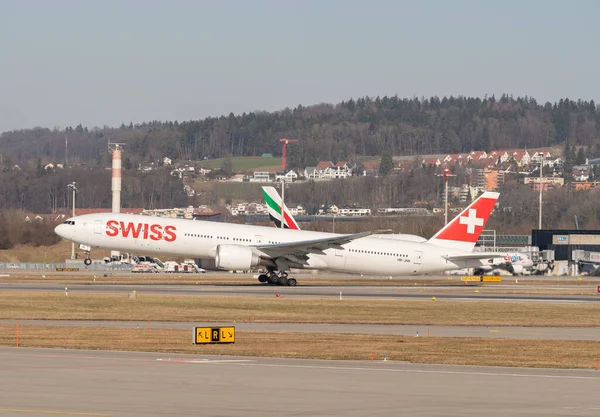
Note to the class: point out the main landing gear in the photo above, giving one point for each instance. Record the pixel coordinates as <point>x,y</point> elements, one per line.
<point>273,277</point>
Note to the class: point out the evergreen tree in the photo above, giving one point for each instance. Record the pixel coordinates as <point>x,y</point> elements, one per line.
<point>580,159</point>
<point>387,164</point>
<point>39,169</point>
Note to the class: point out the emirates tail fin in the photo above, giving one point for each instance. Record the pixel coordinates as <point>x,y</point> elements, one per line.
<point>273,200</point>
<point>462,232</point>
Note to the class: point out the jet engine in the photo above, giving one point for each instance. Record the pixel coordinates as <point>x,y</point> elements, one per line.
<point>235,257</point>
<point>516,269</point>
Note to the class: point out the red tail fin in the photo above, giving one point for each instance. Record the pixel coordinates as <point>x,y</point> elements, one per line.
<point>462,232</point>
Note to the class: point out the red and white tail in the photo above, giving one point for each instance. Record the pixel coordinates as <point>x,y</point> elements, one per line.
<point>462,232</point>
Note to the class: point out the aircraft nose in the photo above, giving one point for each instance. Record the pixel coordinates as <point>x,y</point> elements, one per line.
<point>61,230</point>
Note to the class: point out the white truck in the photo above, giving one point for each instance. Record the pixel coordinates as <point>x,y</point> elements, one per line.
<point>188,266</point>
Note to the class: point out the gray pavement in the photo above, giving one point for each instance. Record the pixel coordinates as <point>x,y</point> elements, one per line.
<point>348,291</point>
<point>40,382</point>
<point>530,333</point>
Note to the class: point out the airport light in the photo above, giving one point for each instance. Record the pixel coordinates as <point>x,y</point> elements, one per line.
<point>74,189</point>
<point>446,173</point>
<point>284,143</point>
<point>283,202</point>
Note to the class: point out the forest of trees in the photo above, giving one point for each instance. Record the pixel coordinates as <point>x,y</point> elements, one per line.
<point>41,192</point>
<point>365,126</point>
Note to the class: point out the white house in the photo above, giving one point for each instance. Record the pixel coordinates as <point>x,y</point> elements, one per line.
<point>167,161</point>
<point>521,158</point>
<point>289,176</point>
<point>323,171</point>
<point>297,211</point>
<point>328,170</point>
<point>537,156</point>
<point>261,176</point>
<point>311,173</point>
<point>341,170</point>
<point>354,211</point>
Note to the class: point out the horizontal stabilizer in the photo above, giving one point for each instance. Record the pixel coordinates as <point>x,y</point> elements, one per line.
<point>474,255</point>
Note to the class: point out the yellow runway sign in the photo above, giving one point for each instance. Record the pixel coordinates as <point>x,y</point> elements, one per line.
<point>203,335</point>
<point>492,278</point>
<point>481,278</point>
<point>471,278</point>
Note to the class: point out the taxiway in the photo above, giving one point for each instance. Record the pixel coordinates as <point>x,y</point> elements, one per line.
<point>348,291</point>
<point>40,382</point>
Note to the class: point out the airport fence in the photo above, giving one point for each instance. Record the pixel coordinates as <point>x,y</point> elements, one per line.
<point>96,266</point>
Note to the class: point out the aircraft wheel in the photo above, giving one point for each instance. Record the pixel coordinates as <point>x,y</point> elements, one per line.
<point>273,279</point>
<point>292,282</point>
<point>263,278</point>
<point>87,261</point>
<point>282,280</point>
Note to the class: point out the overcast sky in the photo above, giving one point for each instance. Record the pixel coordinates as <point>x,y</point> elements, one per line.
<point>107,62</point>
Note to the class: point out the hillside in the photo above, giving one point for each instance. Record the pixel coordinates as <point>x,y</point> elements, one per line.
<point>343,131</point>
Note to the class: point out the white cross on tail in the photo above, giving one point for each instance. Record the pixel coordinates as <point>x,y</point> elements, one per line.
<point>471,220</point>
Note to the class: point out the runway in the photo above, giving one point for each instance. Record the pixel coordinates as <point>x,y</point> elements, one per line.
<point>41,382</point>
<point>348,291</point>
<point>496,332</point>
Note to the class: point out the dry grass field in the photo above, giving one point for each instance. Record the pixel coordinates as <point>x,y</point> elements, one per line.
<point>458,351</point>
<point>85,306</point>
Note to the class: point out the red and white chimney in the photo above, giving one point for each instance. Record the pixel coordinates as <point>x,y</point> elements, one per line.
<point>116,179</point>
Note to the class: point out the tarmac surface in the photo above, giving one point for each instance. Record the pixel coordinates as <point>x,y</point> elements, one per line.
<point>39,382</point>
<point>347,291</point>
<point>498,332</point>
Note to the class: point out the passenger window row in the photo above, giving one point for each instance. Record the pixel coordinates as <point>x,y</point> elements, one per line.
<point>371,252</point>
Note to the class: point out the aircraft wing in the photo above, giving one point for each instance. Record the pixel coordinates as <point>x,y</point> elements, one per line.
<point>303,247</point>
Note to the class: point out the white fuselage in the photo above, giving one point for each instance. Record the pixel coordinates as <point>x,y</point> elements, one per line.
<point>200,239</point>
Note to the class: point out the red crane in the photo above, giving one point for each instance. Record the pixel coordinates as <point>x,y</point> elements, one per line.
<point>283,152</point>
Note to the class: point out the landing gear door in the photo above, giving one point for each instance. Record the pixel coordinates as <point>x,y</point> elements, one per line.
<point>418,257</point>
<point>98,227</point>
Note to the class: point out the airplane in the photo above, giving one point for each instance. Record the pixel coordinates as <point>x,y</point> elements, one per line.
<point>513,262</point>
<point>242,247</point>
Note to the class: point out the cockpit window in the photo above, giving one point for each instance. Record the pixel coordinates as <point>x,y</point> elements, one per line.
<point>71,222</point>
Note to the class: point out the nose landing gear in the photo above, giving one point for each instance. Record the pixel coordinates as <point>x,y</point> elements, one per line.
<point>86,250</point>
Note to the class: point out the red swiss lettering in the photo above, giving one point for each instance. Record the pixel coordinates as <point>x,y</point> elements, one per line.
<point>111,228</point>
<point>156,230</point>
<point>143,230</point>
<point>170,235</point>
<point>130,228</point>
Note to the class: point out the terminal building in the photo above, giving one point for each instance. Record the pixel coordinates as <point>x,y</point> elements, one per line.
<point>578,250</point>
<point>564,242</point>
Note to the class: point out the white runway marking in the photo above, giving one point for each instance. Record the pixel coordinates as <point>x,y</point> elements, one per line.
<point>423,371</point>
<point>190,360</point>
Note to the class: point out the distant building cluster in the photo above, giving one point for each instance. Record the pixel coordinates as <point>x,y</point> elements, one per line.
<point>254,209</point>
